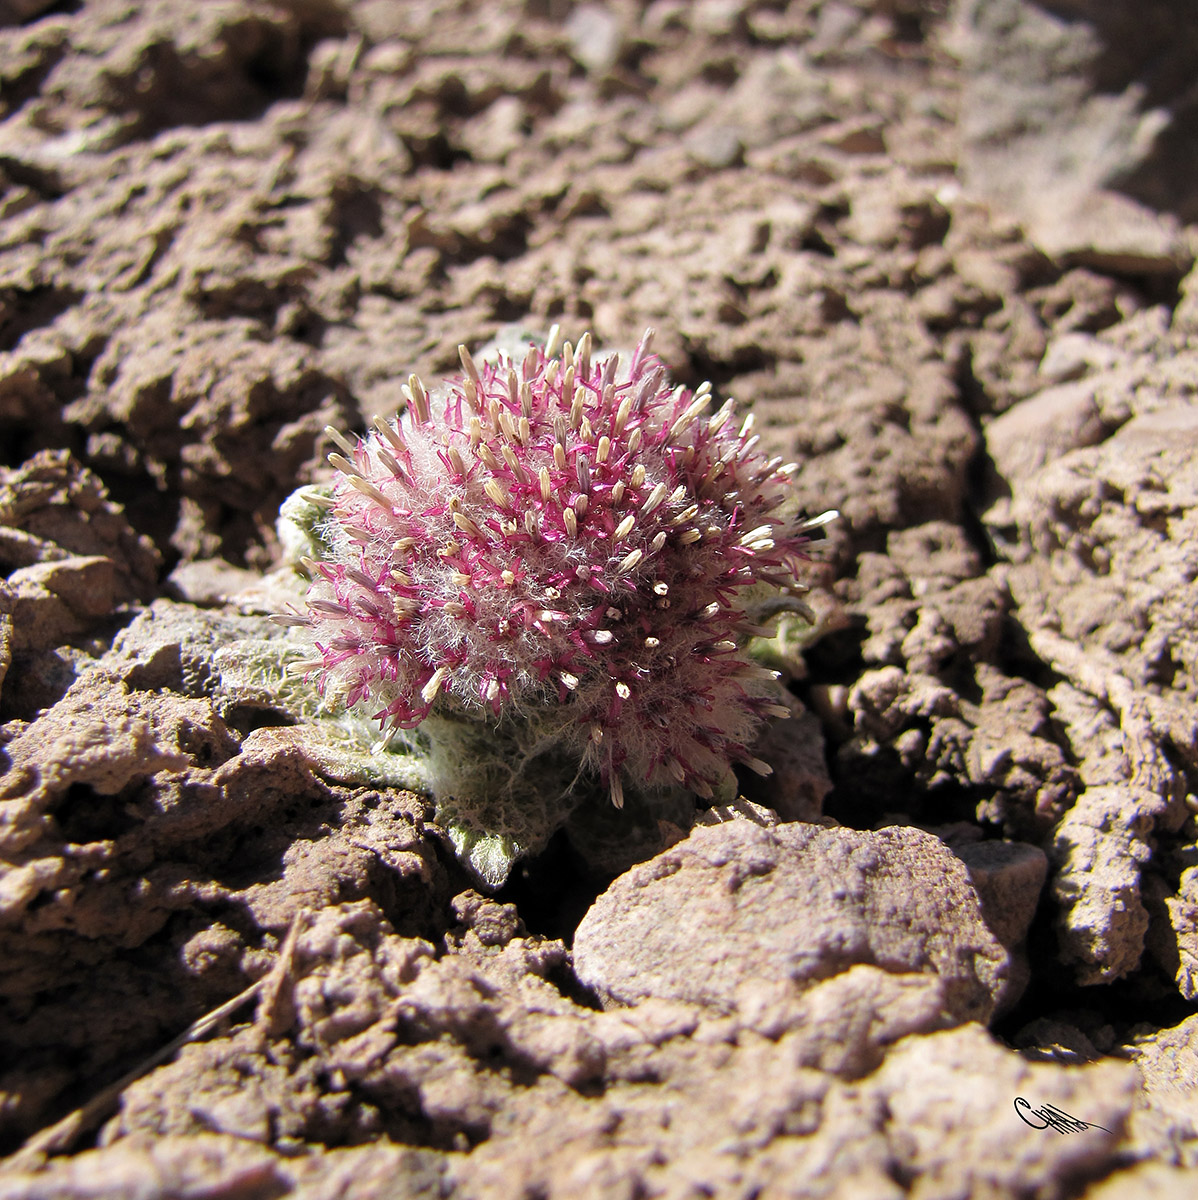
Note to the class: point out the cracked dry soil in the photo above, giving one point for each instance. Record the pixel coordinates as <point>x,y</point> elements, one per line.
<point>945,252</point>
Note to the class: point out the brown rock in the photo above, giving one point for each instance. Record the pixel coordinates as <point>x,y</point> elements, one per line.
<point>477,1050</point>
<point>922,1083</point>
<point>57,600</point>
<point>172,645</point>
<point>799,782</point>
<point>1165,1121</point>
<point>151,1166</point>
<point>51,509</point>
<point>7,603</point>
<point>72,560</point>
<point>1009,877</point>
<point>120,813</point>
<point>1043,141</point>
<point>1173,932</point>
<point>1106,580</point>
<point>1101,846</point>
<point>736,907</point>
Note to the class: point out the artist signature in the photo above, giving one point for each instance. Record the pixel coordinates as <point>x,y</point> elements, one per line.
<point>1048,1116</point>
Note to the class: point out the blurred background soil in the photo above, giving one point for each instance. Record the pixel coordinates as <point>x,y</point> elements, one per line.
<point>945,252</point>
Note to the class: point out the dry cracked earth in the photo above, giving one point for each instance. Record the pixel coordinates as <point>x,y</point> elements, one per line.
<point>945,252</point>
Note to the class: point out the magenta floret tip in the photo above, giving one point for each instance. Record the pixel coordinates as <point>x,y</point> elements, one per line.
<point>563,530</point>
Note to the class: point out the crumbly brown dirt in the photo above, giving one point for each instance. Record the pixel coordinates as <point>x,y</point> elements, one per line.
<point>945,251</point>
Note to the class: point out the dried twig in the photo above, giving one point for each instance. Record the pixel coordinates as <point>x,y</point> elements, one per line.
<point>62,1135</point>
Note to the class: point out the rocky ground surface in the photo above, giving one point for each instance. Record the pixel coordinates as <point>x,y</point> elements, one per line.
<point>945,252</point>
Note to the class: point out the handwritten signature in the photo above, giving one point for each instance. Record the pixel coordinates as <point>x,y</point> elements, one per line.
<point>1048,1116</point>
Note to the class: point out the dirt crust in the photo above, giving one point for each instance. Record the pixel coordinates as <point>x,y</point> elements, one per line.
<point>944,250</point>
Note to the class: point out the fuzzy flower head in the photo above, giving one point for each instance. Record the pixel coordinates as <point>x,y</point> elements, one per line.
<point>564,533</point>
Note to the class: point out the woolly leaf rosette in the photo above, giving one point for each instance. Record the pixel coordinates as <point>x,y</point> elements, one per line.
<point>566,550</point>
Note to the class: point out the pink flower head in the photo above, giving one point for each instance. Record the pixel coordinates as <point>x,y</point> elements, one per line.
<point>564,532</point>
